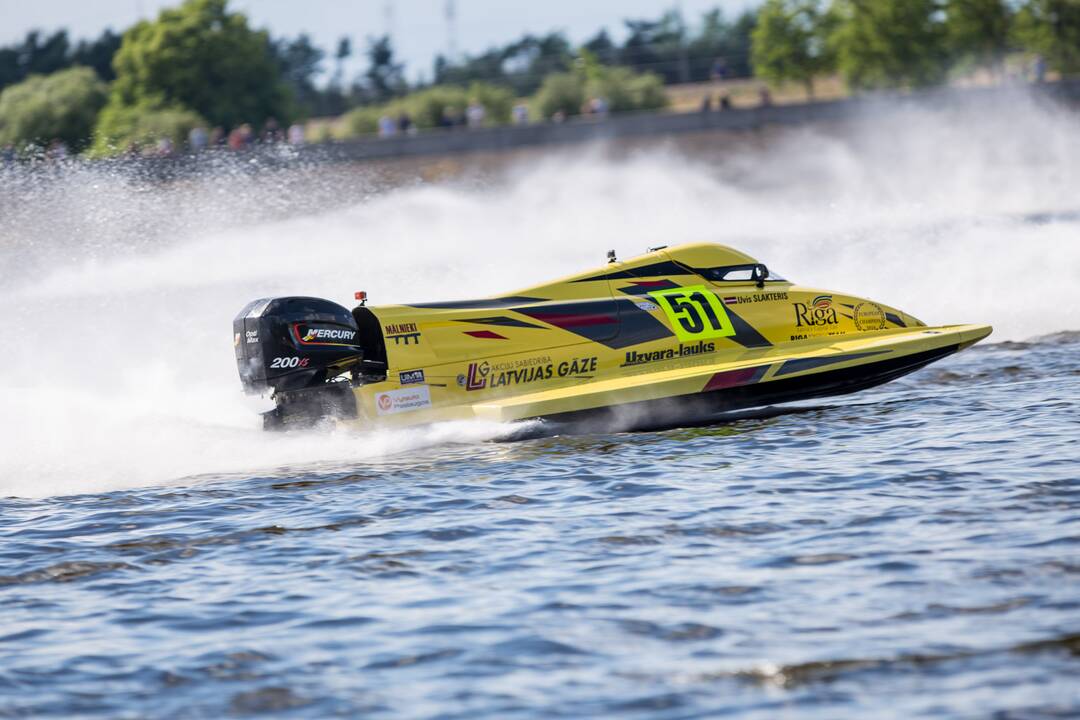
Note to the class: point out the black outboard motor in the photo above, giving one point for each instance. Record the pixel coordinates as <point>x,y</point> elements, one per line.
<point>295,347</point>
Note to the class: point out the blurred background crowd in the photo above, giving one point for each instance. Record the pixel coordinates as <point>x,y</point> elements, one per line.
<point>200,77</point>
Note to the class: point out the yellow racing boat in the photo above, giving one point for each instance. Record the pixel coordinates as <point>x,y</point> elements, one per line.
<point>675,335</point>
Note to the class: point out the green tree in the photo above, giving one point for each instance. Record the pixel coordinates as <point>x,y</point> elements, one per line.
<point>1052,29</point>
<point>41,108</point>
<point>35,55</point>
<point>98,54</point>
<point>978,30</point>
<point>622,88</point>
<point>888,43</point>
<point>341,54</point>
<point>560,92</point>
<point>123,127</point>
<point>200,56</point>
<point>44,55</point>
<point>521,65</point>
<point>602,47</point>
<point>385,77</point>
<point>299,62</point>
<point>657,46</point>
<point>719,39</point>
<point>787,43</point>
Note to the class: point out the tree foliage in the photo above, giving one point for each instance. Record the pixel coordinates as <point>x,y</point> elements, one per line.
<point>39,54</point>
<point>888,43</point>
<point>720,38</point>
<point>125,127</point>
<point>299,63</point>
<point>788,43</point>
<point>560,93</point>
<point>1052,29</point>
<point>520,65</point>
<point>621,88</point>
<point>977,30</point>
<point>385,76</point>
<point>427,108</point>
<point>98,54</point>
<point>658,46</point>
<point>60,106</point>
<point>201,57</point>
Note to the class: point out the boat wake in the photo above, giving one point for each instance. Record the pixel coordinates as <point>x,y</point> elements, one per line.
<point>120,291</point>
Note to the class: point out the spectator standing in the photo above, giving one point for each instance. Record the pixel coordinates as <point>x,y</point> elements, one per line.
<point>296,134</point>
<point>719,69</point>
<point>765,97</point>
<point>474,114</point>
<point>1040,69</point>
<point>271,131</point>
<point>405,124</point>
<point>57,150</point>
<point>236,139</point>
<point>446,120</point>
<point>521,114</point>
<point>198,139</point>
<point>387,127</point>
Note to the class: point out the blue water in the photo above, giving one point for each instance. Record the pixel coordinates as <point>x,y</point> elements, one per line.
<point>911,551</point>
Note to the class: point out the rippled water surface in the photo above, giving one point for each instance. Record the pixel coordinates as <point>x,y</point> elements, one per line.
<point>912,551</point>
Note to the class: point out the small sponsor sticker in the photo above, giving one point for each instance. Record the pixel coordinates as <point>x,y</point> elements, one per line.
<point>323,334</point>
<point>392,402</point>
<point>755,298</point>
<point>411,377</point>
<point>403,333</point>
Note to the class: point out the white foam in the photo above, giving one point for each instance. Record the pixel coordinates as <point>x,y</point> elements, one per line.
<point>119,368</point>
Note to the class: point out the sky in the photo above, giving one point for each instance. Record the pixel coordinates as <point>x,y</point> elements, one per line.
<point>418,27</point>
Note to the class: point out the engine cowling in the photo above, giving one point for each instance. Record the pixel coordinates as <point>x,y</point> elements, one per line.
<point>292,343</point>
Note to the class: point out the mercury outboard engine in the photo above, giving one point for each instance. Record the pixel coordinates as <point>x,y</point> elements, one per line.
<point>302,350</point>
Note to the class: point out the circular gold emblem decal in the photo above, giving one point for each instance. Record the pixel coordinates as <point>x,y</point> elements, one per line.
<point>869,316</point>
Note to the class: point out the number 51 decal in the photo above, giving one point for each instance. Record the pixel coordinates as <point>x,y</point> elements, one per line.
<point>695,313</point>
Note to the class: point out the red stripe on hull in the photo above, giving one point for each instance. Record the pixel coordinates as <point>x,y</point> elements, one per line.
<point>566,321</point>
<point>485,334</point>
<point>731,378</point>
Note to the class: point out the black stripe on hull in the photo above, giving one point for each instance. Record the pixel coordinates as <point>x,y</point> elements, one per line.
<point>485,304</point>
<point>657,269</point>
<point>674,411</point>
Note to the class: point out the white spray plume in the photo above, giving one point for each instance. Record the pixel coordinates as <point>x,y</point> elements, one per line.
<point>120,294</point>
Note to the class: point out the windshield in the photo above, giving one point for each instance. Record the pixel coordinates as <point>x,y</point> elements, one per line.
<point>737,273</point>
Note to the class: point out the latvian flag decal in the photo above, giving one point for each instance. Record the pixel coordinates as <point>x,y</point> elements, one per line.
<point>731,300</point>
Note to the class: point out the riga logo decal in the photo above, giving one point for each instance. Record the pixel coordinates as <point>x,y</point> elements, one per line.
<point>819,312</point>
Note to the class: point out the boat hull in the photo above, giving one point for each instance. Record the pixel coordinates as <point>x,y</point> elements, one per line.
<point>678,395</point>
